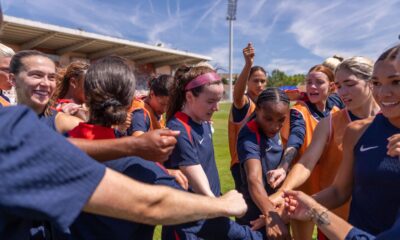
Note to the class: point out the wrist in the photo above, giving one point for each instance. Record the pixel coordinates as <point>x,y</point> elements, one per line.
<point>130,146</point>
<point>319,215</point>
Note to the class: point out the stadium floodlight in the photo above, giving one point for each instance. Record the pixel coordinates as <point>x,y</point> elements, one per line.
<point>231,16</point>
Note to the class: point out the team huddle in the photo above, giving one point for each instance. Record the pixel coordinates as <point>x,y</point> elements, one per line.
<point>82,157</point>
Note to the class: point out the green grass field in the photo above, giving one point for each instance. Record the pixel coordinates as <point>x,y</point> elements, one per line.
<point>222,156</point>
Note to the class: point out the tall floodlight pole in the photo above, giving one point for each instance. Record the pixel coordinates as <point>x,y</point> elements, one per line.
<point>231,16</point>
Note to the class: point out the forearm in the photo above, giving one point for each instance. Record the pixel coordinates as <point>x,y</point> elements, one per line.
<point>120,197</point>
<point>331,225</point>
<point>104,150</point>
<point>331,197</point>
<point>297,176</point>
<point>287,159</point>
<point>198,180</point>
<point>240,85</point>
<point>260,197</point>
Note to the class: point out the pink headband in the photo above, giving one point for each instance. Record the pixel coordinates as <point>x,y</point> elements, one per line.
<point>204,79</point>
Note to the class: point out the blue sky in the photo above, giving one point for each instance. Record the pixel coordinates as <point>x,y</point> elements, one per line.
<point>291,35</point>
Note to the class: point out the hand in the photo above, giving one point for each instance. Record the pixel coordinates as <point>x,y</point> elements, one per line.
<point>394,145</point>
<point>258,223</point>
<point>234,204</point>
<point>276,177</point>
<point>283,212</point>
<point>298,205</point>
<point>155,145</point>
<point>248,53</point>
<point>124,126</point>
<point>277,199</point>
<point>76,110</point>
<point>275,227</point>
<point>179,177</point>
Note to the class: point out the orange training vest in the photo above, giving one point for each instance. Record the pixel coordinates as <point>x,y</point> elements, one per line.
<point>311,186</point>
<point>233,131</point>
<point>4,102</point>
<point>333,154</point>
<point>154,122</point>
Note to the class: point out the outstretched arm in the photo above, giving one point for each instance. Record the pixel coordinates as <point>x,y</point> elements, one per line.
<point>304,208</point>
<point>275,227</point>
<point>197,179</point>
<point>340,190</point>
<point>301,171</point>
<point>121,197</point>
<point>156,145</point>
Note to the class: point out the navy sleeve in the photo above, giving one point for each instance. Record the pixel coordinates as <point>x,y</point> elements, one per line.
<point>297,129</point>
<point>143,171</point>
<point>185,152</point>
<point>336,100</point>
<point>357,234</point>
<point>247,146</point>
<point>43,176</point>
<point>140,121</point>
<point>4,96</point>
<point>239,114</point>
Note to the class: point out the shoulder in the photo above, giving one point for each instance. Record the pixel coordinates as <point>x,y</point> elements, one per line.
<point>65,122</point>
<point>249,131</point>
<point>355,130</point>
<point>360,125</point>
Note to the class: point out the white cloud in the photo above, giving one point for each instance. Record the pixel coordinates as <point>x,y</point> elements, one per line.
<point>89,15</point>
<point>220,59</point>
<point>291,66</point>
<point>347,28</point>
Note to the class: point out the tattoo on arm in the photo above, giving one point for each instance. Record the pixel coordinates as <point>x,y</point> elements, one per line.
<point>288,156</point>
<point>319,216</point>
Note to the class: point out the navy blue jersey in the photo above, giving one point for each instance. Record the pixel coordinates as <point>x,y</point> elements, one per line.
<point>194,146</point>
<point>140,122</point>
<point>392,233</point>
<point>298,126</point>
<point>375,197</point>
<point>50,120</point>
<point>91,226</point>
<point>240,114</point>
<point>43,177</point>
<point>335,99</point>
<point>254,144</point>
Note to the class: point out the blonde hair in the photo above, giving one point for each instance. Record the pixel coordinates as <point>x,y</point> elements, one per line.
<point>6,51</point>
<point>332,62</point>
<point>361,67</point>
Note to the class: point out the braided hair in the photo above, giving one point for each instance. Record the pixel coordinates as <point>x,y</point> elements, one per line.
<point>272,94</point>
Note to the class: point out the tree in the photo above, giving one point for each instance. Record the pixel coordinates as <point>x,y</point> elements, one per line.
<point>279,78</point>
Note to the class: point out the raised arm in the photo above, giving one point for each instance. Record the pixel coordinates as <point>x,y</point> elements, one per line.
<point>239,100</point>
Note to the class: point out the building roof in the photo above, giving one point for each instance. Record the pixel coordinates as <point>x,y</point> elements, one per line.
<point>60,40</point>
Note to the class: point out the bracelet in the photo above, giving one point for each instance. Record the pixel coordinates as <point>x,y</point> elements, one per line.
<point>319,217</point>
